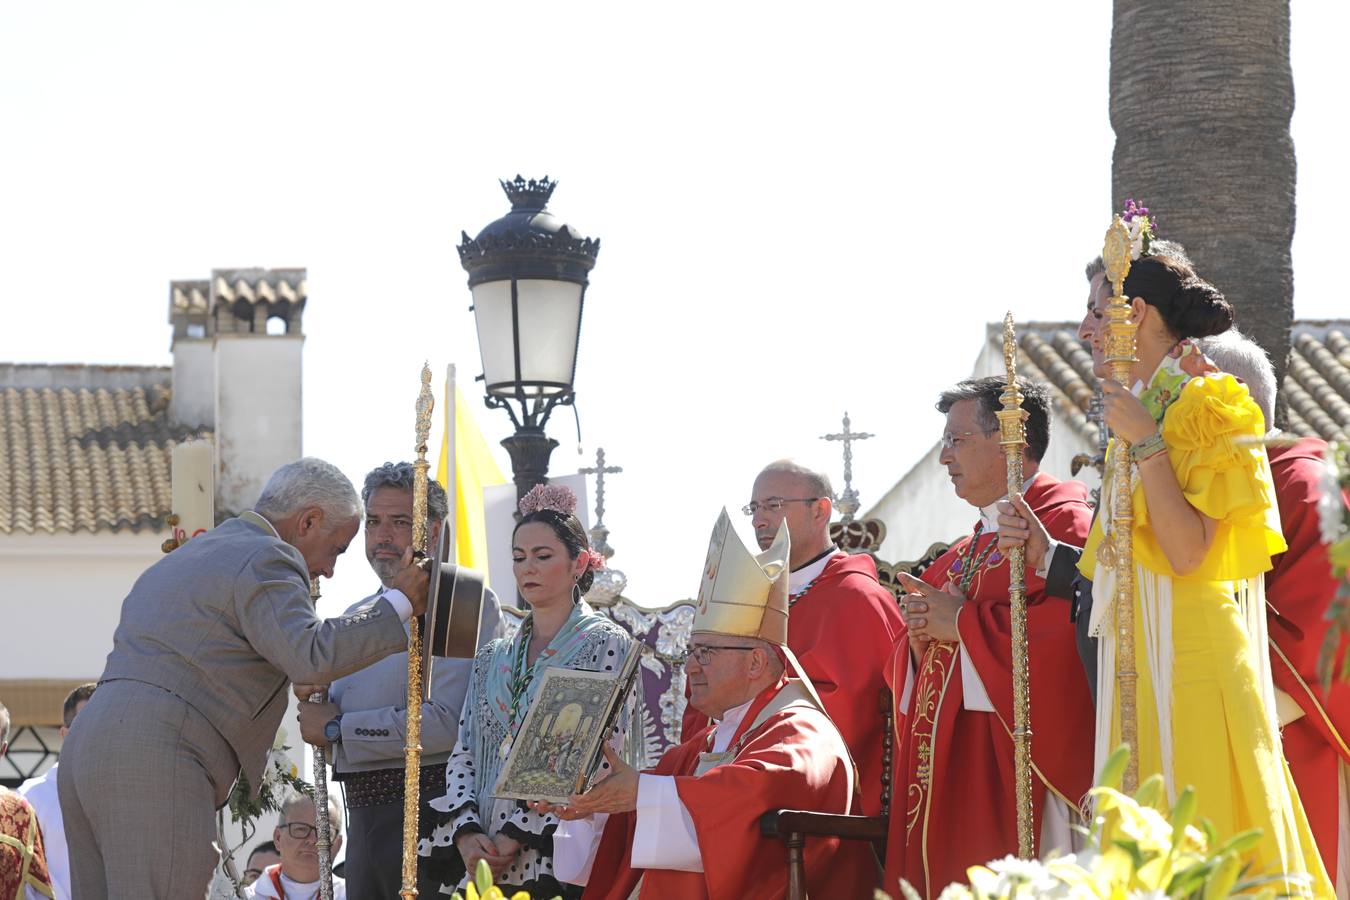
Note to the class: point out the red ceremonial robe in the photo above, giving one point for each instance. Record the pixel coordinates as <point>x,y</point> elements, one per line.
<point>1299,589</point>
<point>22,861</point>
<point>954,805</point>
<point>839,629</point>
<point>792,761</point>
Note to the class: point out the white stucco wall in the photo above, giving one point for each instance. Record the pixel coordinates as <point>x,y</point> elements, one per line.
<point>258,413</point>
<point>193,402</point>
<point>60,598</point>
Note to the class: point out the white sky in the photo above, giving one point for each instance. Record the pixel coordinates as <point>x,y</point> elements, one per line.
<point>803,208</point>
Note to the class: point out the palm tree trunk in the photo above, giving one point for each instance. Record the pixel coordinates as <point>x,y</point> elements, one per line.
<point>1201,97</point>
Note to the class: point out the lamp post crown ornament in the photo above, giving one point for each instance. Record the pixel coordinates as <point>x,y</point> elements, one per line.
<point>532,195</point>
<point>848,503</point>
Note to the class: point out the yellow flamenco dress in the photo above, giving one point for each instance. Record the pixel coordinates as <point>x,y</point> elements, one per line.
<point>1205,700</point>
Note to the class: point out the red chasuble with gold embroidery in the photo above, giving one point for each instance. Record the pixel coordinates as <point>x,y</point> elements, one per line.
<point>953,806</point>
<point>22,862</point>
<point>1299,589</point>
<point>791,761</point>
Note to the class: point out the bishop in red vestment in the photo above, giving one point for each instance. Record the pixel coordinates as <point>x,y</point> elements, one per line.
<point>1299,590</point>
<point>951,675</point>
<point>689,828</point>
<point>841,623</point>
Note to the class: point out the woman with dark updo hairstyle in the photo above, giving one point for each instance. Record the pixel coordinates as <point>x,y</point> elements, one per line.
<point>553,566</point>
<point>1205,529</point>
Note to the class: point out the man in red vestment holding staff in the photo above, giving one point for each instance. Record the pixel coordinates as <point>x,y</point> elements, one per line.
<point>689,828</point>
<point>841,621</point>
<point>951,673</point>
<point>1299,590</point>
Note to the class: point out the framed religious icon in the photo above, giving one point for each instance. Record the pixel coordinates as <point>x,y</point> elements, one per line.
<point>558,746</point>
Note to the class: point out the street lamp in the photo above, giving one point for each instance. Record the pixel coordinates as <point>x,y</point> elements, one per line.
<point>528,276</point>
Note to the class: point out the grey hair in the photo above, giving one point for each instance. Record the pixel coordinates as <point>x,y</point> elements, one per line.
<point>817,483</point>
<point>400,475</point>
<point>295,798</point>
<point>1245,359</point>
<point>304,483</point>
<point>4,725</point>
<point>1170,249</point>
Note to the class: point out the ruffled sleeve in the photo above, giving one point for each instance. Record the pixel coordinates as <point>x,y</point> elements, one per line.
<point>1211,432</point>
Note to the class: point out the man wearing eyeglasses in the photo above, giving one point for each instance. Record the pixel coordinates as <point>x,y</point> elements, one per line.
<point>842,623</point>
<point>689,827</point>
<point>296,877</point>
<point>951,673</point>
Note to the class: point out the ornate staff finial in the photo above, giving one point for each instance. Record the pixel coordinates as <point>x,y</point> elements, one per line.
<point>412,745</point>
<point>599,533</point>
<point>1118,552</point>
<point>847,503</point>
<point>1013,438</point>
<point>609,582</point>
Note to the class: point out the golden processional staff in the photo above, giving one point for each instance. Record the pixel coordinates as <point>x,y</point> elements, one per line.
<point>1119,346</point>
<point>412,747</point>
<point>324,826</point>
<point>1012,437</point>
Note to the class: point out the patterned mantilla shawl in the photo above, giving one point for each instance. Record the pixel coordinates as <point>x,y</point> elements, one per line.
<point>491,725</point>
<point>22,861</point>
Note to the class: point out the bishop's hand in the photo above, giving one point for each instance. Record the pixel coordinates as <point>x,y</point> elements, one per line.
<point>931,613</point>
<point>616,794</point>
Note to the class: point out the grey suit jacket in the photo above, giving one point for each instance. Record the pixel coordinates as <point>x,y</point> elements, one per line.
<point>225,622</point>
<point>374,701</point>
<point>1063,580</point>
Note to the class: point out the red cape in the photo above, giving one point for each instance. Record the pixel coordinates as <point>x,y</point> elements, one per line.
<point>792,761</point>
<point>1299,589</point>
<point>954,805</point>
<point>839,630</point>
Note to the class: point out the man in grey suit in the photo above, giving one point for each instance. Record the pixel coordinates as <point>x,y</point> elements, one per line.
<point>195,687</point>
<point>365,717</point>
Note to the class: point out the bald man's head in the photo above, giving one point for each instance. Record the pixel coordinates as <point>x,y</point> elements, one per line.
<point>786,491</point>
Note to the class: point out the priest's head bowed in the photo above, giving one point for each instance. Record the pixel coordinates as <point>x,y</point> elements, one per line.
<point>970,448</point>
<point>314,508</point>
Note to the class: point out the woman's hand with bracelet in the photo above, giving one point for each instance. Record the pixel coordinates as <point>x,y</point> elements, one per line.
<point>1124,414</point>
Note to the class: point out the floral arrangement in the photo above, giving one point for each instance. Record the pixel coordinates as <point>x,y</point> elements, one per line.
<point>557,497</point>
<point>1143,230</point>
<point>482,888</point>
<point>1134,851</point>
<point>279,774</point>
<point>1336,535</point>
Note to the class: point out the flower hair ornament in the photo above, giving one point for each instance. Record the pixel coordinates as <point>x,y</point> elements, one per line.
<point>556,497</point>
<point>1142,228</point>
<point>594,562</point>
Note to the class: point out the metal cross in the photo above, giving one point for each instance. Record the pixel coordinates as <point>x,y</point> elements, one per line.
<point>599,533</point>
<point>848,501</point>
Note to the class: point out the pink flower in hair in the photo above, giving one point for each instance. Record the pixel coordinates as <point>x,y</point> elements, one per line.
<point>556,497</point>
<point>596,562</point>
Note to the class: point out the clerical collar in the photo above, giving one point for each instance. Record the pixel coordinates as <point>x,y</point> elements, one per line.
<point>800,579</point>
<point>989,514</point>
<point>727,725</point>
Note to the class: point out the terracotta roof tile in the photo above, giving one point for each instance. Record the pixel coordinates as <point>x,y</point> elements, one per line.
<point>1316,386</point>
<point>83,457</point>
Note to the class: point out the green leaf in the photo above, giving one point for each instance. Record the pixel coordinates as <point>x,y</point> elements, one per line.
<point>1114,769</point>
<point>1221,880</point>
<point>1183,812</point>
<point>1239,843</point>
<point>1136,856</point>
<point>482,877</point>
<point>1150,792</point>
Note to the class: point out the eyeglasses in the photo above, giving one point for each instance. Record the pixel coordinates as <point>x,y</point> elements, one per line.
<point>299,830</point>
<point>773,504</point>
<point>703,654</point>
<point>950,440</point>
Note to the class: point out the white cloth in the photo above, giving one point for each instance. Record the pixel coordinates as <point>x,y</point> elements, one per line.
<point>41,795</point>
<point>800,579</point>
<point>664,837</point>
<point>295,890</point>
